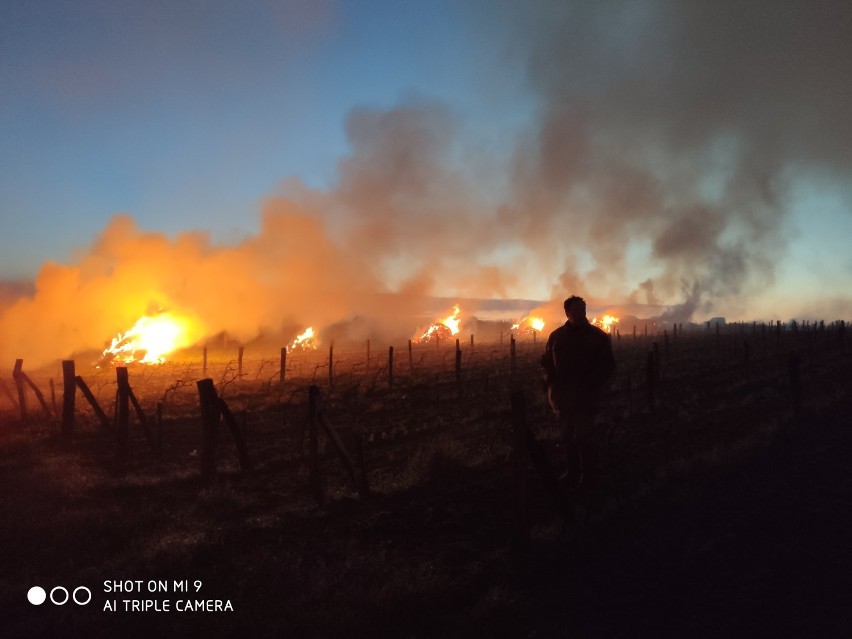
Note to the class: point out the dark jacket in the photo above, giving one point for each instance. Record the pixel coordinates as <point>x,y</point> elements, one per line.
<point>577,362</point>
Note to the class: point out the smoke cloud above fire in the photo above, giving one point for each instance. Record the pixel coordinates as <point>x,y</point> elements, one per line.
<point>679,129</point>
<point>656,168</point>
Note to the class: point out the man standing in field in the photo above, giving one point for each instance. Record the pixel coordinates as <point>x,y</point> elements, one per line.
<point>578,362</point>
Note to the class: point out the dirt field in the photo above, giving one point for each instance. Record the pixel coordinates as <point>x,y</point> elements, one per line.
<point>725,514</point>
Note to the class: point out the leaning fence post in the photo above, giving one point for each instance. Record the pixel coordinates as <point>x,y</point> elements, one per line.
<point>283,365</point>
<point>87,393</point>
<point>142,419</point>
<point>25,379</point>
<point>239,439</point>
<point>69,388</point>
<point>210,413</point>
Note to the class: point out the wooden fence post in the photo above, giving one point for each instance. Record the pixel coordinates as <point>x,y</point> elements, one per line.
<point>239,439</point>
<point>99,413</point>
<point>240,362</point>
<point>210,414</point>
<point>283,365</point>
<point>19,384</point>
<point>410,361</point>
<point>512,350</point>
<point>22,379</point>
<point>142,419</point>
<point>69,394</point>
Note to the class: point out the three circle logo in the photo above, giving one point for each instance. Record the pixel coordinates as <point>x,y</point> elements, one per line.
<point>59,595</point>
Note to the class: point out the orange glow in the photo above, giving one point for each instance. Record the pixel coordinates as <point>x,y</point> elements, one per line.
<point>446,327</point>
<point>152,338</point>
<point>605,323</point>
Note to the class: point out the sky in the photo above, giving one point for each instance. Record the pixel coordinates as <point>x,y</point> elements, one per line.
<point>687,155</point>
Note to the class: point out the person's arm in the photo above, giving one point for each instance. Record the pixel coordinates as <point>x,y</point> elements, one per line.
<point>547,362</point>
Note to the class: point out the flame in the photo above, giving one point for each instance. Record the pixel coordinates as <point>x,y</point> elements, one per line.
<point>529,324</point>
<point>605,323</point>
<point>305,341</point>
<point>446,327</point>
<point>152,338</point>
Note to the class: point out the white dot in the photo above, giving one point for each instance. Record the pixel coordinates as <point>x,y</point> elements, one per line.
<point>36,595</point>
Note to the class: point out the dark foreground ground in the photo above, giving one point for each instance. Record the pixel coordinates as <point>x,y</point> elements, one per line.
<point>746,539</point>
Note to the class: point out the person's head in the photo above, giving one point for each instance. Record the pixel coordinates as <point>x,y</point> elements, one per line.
<point>575,309</point>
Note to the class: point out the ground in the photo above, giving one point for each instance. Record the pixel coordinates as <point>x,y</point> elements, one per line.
<point>726,512</point>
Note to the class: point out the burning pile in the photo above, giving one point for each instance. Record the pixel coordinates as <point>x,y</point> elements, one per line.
<point>605,323</point>
<point>304,341</point>
<point>151,339</point>
<point>529,325</point>
<point>442,328</point>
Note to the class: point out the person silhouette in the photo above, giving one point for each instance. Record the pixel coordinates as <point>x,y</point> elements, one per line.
<point>578,362</point>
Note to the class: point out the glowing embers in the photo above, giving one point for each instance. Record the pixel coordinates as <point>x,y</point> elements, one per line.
<point>529,325</point>
<point>151,339</point>
<point>606,322</point>
<point>441,329</point>
<point>305,341</point>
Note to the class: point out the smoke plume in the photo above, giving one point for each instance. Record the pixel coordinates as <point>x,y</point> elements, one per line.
<point>656,169</point>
